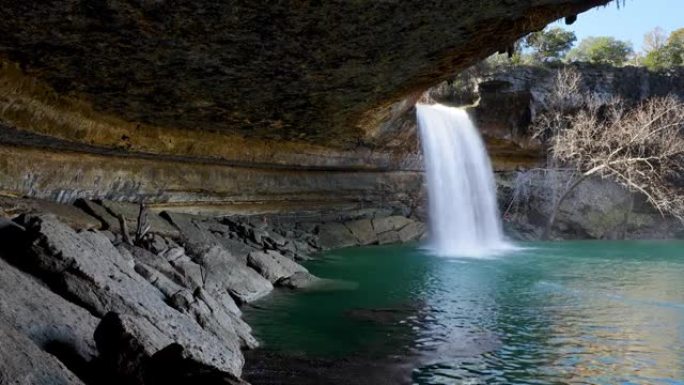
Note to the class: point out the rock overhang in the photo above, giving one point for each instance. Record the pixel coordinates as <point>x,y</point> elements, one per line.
<point>311,71</point>
<point>241,106</point>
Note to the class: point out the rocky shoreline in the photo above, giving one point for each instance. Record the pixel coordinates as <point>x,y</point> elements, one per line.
<point>83,302</point>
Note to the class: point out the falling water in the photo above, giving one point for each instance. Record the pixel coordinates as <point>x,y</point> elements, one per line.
<point>464,218</point>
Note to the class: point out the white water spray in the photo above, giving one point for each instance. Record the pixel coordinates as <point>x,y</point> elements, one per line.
<point>464,218</point>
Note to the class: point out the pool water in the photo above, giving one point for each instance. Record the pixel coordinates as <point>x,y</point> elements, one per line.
<point>590,312</point>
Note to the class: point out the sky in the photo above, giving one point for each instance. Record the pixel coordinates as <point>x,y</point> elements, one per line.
<point>630,22</point>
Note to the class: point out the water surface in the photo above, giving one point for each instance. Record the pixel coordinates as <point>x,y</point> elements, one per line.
<point>552,313</point>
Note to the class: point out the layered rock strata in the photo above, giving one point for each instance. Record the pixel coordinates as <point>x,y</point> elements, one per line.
<point>247,107</point>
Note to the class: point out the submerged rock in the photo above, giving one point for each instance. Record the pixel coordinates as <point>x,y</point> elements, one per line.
<point>273,266</point>
<point>300,280</point>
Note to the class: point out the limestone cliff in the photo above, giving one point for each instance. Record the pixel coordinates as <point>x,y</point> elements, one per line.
<point>235,106</point>
<point>505,102</point>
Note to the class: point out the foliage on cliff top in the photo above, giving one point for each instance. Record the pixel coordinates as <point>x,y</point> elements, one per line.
<point>661,52</point>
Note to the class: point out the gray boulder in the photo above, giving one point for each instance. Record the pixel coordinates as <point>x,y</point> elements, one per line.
<point>237,248</point>
<point>389,237</point>
<point>87,267</point>
<point>363,231</point>
<point>24,363</point>
<point>227,275</point>
<point>194,238</point>
<point>46,318</point>
<point>272,265</point>
<point>109,222</point>
<point>393,223</point>
<point>300,280</point>
<point>412,231</point>
<point>335,235</point>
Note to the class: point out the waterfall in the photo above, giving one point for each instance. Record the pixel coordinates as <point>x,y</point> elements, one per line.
<point>464,218</point>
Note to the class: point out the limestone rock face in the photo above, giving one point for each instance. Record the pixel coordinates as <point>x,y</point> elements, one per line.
<point>509,98</point>
<point>282,70</point>
<point>596,209</point>
<point>87,268</point>
<point>363,230</point>
<point>335,235</point>
<point>239,107</point>
<point>360,232</point>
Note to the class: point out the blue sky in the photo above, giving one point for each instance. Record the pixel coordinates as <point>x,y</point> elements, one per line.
<point>630,22</point>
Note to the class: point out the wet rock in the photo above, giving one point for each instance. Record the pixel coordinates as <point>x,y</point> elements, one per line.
<point>393,223</point>
<point>225,274</point>
<point>23,363</point>
<point>412,231</point>
<point>389,237</point>
<point>300,280</point>
<point>272,265</point>
<point>87,268</point>
<point>363,231</point>
<point>335,235</point>
<point>221,318</point>
<point>385,316</point>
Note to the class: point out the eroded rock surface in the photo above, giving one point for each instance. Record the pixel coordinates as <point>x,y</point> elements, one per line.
<point>87,268</point>
<point>23,363</point>
<point>48,320</point>
<point>273,266</point>
<point>596,209</point>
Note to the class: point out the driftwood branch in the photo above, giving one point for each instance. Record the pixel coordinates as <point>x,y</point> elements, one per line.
<point>143,227</point>
<point>124,229</point>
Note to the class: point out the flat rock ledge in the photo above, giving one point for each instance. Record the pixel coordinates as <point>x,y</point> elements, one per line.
<point>98,293</point>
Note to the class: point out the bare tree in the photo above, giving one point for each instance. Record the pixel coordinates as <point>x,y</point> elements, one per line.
<point>640,147</point>
<point>654,40</point>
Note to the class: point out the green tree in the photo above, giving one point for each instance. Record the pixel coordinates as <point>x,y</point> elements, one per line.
<point>550,44</point>
<point>669,53</point>
<point>675,47</point>
<point>602,49</point>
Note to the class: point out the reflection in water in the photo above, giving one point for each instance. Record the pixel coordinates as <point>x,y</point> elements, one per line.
<point>568,313</point>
